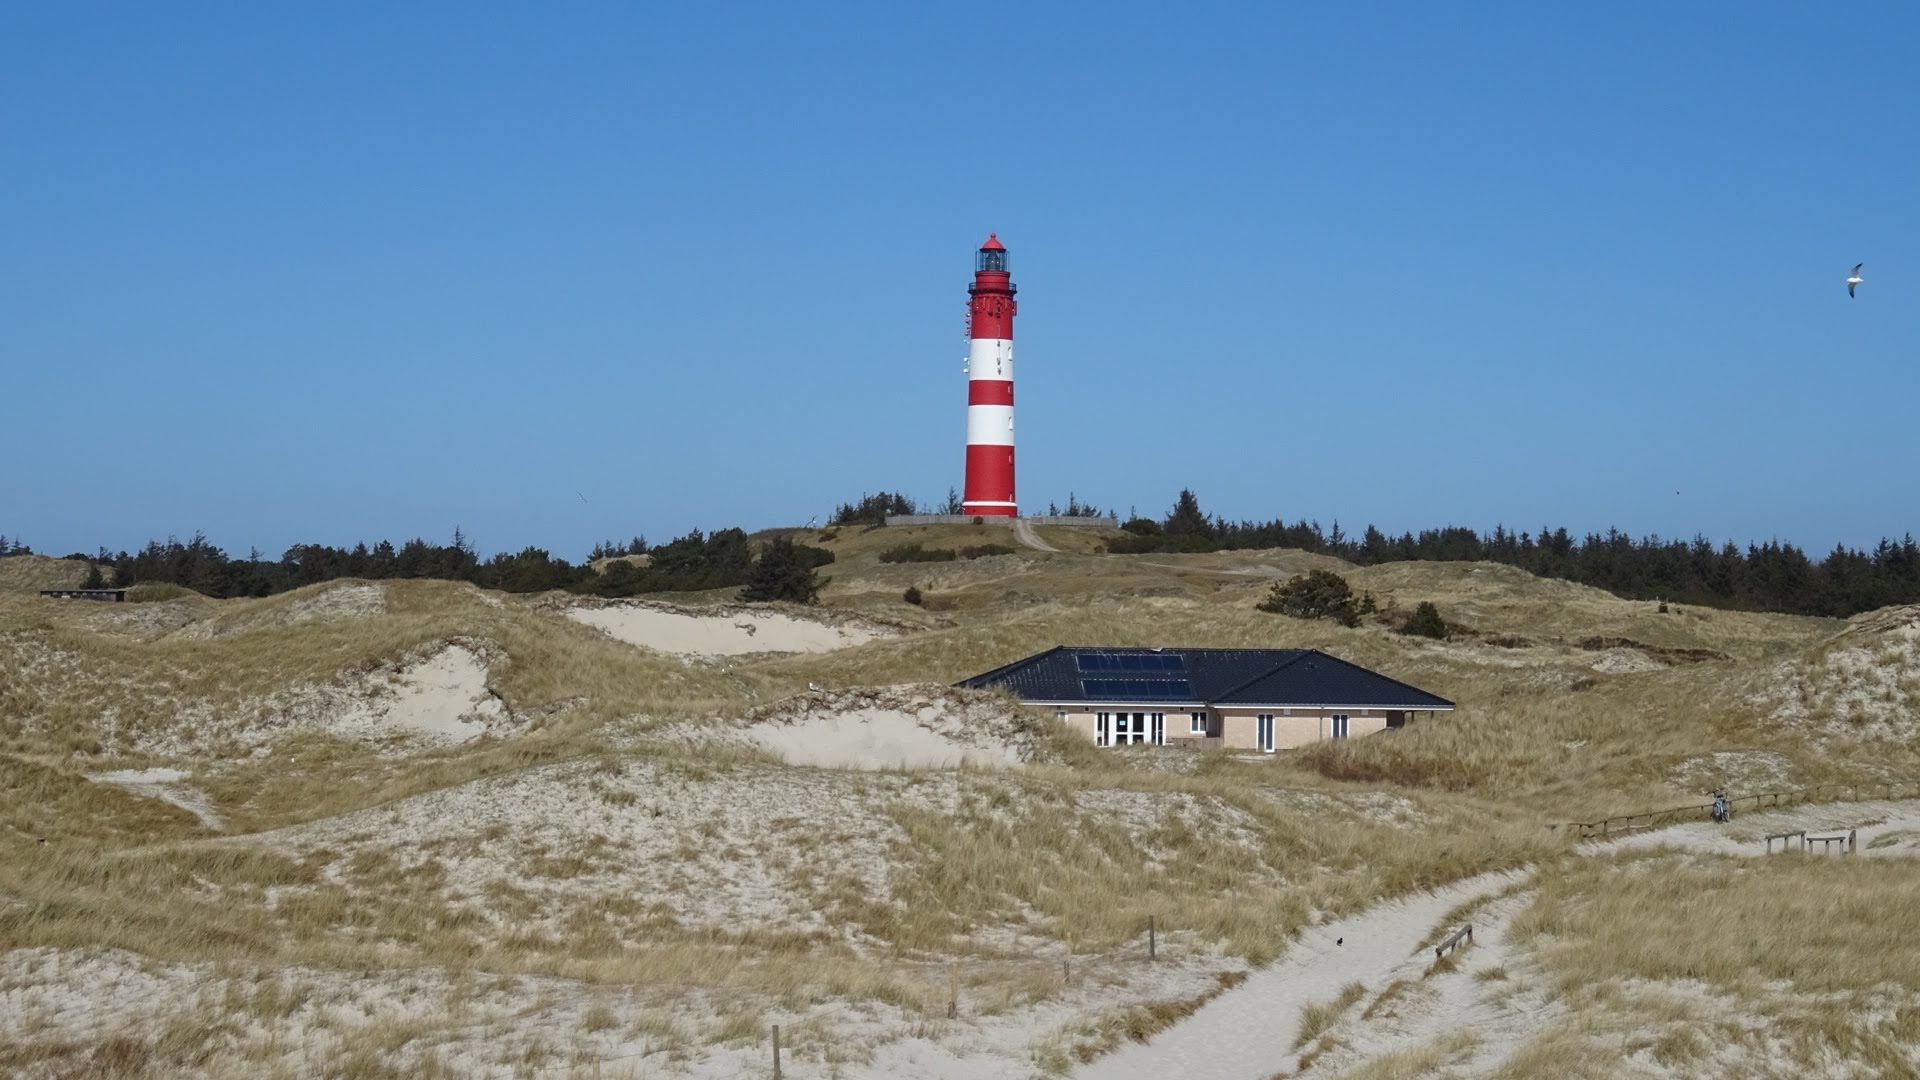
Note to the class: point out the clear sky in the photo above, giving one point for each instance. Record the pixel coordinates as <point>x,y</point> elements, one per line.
<point>557,273</point>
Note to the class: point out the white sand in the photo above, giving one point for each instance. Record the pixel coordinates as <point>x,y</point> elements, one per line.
<point>885,727</point>
<point>443,699</point>
<point>726,632</point>
<point>873,739</point>
<point>167,785</point>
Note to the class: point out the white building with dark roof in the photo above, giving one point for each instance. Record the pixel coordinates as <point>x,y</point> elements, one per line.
<point>1245,699</point>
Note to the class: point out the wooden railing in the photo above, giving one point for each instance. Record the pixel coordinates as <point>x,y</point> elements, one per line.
<point>1848,842</point>
<point>1653,819</point>
<point>1783,837</point>
<point>1453,942</point>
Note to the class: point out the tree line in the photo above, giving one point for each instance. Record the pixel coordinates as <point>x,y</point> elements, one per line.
<point>876,508</point>
<point>697,561</point>
<point>1774,576</point>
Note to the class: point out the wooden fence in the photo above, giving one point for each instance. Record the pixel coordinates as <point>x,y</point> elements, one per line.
<point>1465,933</point>
<point>1820,793</point>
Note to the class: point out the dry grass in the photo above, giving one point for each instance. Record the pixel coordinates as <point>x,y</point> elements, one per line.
<point>1776,966</point>
<point>1428,1059</point>
<point>1829,925</point>
<point>31,573</point>
<point>1318,1016</point>
<point>1230,856</point>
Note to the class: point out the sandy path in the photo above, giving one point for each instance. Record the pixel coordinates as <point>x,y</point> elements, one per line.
<point>1249,1032</point>
<point>1023,532</point>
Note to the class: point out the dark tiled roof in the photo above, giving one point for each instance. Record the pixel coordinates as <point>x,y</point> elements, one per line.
<point>1290,677</point>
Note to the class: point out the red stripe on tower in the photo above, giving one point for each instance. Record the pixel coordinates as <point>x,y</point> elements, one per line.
<point>989,484</point>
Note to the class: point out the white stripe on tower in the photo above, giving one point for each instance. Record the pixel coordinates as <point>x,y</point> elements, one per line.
<point>989,425</point>
<point>990,359</point>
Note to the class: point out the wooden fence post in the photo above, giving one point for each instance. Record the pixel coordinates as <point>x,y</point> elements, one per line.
<point>1151,944</point>
<point>1853,836</point>
<point>776,1052</point>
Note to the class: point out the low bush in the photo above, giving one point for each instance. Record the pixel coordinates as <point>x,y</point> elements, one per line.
<point>913,553</point>
<point>912,595</point>
<point>1320,594</point>
<point>1425,622</point>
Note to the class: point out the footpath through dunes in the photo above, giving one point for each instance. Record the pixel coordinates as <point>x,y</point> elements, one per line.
<point>1368,991</point>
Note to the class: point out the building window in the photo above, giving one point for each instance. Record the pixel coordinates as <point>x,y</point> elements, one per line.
<point>1339,727</point>
<point>1197,723</point>
<point>1263,732</point>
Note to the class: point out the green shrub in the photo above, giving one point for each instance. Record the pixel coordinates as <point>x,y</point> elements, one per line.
<point>915,553</point>
<point>982,550</point>
<point>1425,622</point>
<point>783,572</point>
<point>912,595</point>
<point>1320,594</point>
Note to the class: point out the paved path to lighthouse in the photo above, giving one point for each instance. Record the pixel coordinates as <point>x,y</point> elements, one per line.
<point>1023,532</point>
<point>1248,1032</point>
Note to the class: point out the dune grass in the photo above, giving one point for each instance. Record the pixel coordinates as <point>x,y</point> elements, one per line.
<point>1778,966</point>
<point>1229,856</point>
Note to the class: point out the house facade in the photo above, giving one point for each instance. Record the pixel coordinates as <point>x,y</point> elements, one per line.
<point>1240,699</point>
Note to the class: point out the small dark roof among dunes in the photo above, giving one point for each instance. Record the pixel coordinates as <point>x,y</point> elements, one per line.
<point>1239,677</point>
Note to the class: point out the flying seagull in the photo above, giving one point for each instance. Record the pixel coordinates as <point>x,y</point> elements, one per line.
<point>583,497</point>
<point>1854,278</point>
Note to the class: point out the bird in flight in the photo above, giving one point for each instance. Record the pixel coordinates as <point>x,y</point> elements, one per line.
<point>583,497</point>
<point>1854,278</point>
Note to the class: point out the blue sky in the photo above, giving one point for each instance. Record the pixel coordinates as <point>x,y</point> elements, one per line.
<point>363,271</point>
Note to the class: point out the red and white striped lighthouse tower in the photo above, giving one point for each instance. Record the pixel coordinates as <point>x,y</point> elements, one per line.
<point>989,487</point>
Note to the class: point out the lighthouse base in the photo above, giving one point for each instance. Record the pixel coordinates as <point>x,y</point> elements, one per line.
<point>989,488</point>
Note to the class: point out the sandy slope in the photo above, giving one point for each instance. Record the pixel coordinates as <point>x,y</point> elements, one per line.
<point>894,727</point>
<point>726,632</point>
<point>167,785</point>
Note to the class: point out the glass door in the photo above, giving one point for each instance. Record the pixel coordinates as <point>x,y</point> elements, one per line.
<point>1263,732</point>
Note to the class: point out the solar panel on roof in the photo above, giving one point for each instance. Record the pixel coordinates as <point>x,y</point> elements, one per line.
<point>1142,662</point>
<point>1139,689</point>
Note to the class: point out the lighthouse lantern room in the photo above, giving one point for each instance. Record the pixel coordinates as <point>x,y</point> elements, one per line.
<point>989,483</point>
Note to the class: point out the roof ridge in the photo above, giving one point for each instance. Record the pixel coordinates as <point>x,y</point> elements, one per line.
<point>1014,666</point>
<point>1298,655</point>
<point>1378,675</point>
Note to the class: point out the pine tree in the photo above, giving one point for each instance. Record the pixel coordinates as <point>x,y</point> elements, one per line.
<point>782,572</point>
<point>1187,519</point>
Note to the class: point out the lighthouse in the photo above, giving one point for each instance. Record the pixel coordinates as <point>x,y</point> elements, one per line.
<point>989,486</point>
